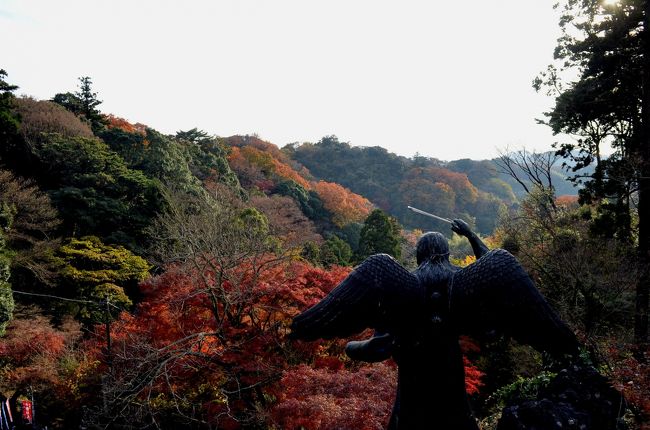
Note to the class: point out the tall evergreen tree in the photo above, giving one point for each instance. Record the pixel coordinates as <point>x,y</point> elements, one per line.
<point>83,103</point>
<point>607,45</point>
<point>8,119</point>
<point>89,100</point>
<point>380,234</point>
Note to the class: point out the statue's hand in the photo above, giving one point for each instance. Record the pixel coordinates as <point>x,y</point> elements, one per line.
<point>461,227</point>
<point>377,348</point>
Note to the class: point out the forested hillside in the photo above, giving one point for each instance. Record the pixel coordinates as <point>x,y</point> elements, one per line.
<point>476,191</point>
<point>149,280</point>
<point>393,183</point>
<point>482,174</point>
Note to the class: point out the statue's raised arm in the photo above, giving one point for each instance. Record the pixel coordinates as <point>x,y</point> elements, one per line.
<point>460,227</point>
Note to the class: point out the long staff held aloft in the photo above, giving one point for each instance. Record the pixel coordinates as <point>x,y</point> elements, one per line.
<point>416,210</point>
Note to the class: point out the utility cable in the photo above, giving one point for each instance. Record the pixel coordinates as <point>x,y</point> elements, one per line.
<point>88,302</point>
<point>56,297</point>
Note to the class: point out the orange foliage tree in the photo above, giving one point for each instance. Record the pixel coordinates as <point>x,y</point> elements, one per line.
<point>271,164</point>
<point>345,206</point>
<point>174,360</point>
<point>197,367</point>
<point>249,174</point>
<point>566,201</point>
<point>113,121</point>
<point>208,338</point>
<point>319,398</point>
<point>262,165</point>
<point>37,358</point>
<point>31,350</point>
<point>466,192</point>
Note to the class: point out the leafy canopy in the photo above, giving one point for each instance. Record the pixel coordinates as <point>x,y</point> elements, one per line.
<point>380,234</point>
<point>92,270</point>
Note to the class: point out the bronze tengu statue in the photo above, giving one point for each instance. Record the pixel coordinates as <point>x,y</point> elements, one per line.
<point>418,317</point>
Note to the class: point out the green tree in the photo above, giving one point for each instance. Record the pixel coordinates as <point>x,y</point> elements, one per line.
<point>91,270</point>
<point>608,46</point>
<point>9,121</point>
<point>185,161</point>
<point>335,251</point>
<point>83,103</point>
<point>69,101</point>
<point>311,252</point>
<point>351,233</point>
<point>95,192</point>
<point>89,100</point>
<point>131,147</point>
<point>603,105</point>
<point>207,158</point>
<point>164,160</point>
<point>589,280</point>
<point>194,135</point>
<point>380,234</point>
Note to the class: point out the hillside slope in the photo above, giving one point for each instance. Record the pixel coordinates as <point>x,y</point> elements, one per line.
<point>393,182</point>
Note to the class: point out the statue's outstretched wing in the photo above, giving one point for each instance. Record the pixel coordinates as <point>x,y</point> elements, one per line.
<point>495,293</point>
<point>378,293</point>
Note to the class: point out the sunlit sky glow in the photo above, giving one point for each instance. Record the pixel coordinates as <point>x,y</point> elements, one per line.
<point>445,79</point>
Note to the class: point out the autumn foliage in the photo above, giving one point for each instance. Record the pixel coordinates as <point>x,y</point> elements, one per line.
<point>473,376</point>
<point>252,161</point>
<point>226,369</point>
<point>192,253</point>
<point>567,201</point>
<point>263,166</point>
<point>322,398</point>
<point>35,352</point>
<point>113,121</point>
<point>345,205</point>
<point>631,376</point>
<point>286,220</point>
<point>224,359</point>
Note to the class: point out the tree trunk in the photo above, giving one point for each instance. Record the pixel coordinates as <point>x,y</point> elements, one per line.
<point>643,286</point>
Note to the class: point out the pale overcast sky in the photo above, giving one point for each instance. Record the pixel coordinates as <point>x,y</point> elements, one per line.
<point>447,79</point>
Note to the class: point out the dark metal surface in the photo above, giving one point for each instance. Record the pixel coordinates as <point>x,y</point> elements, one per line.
<point>419,316</point>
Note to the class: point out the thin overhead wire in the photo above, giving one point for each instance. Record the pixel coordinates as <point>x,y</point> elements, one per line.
<point>87,302</point>
<point>56,297</point>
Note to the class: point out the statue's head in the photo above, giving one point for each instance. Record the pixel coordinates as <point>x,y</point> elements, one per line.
<point>432,246</point>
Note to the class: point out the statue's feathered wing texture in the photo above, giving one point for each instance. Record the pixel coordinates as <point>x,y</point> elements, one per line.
<point>378,293</point>
<point>495,293</point>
